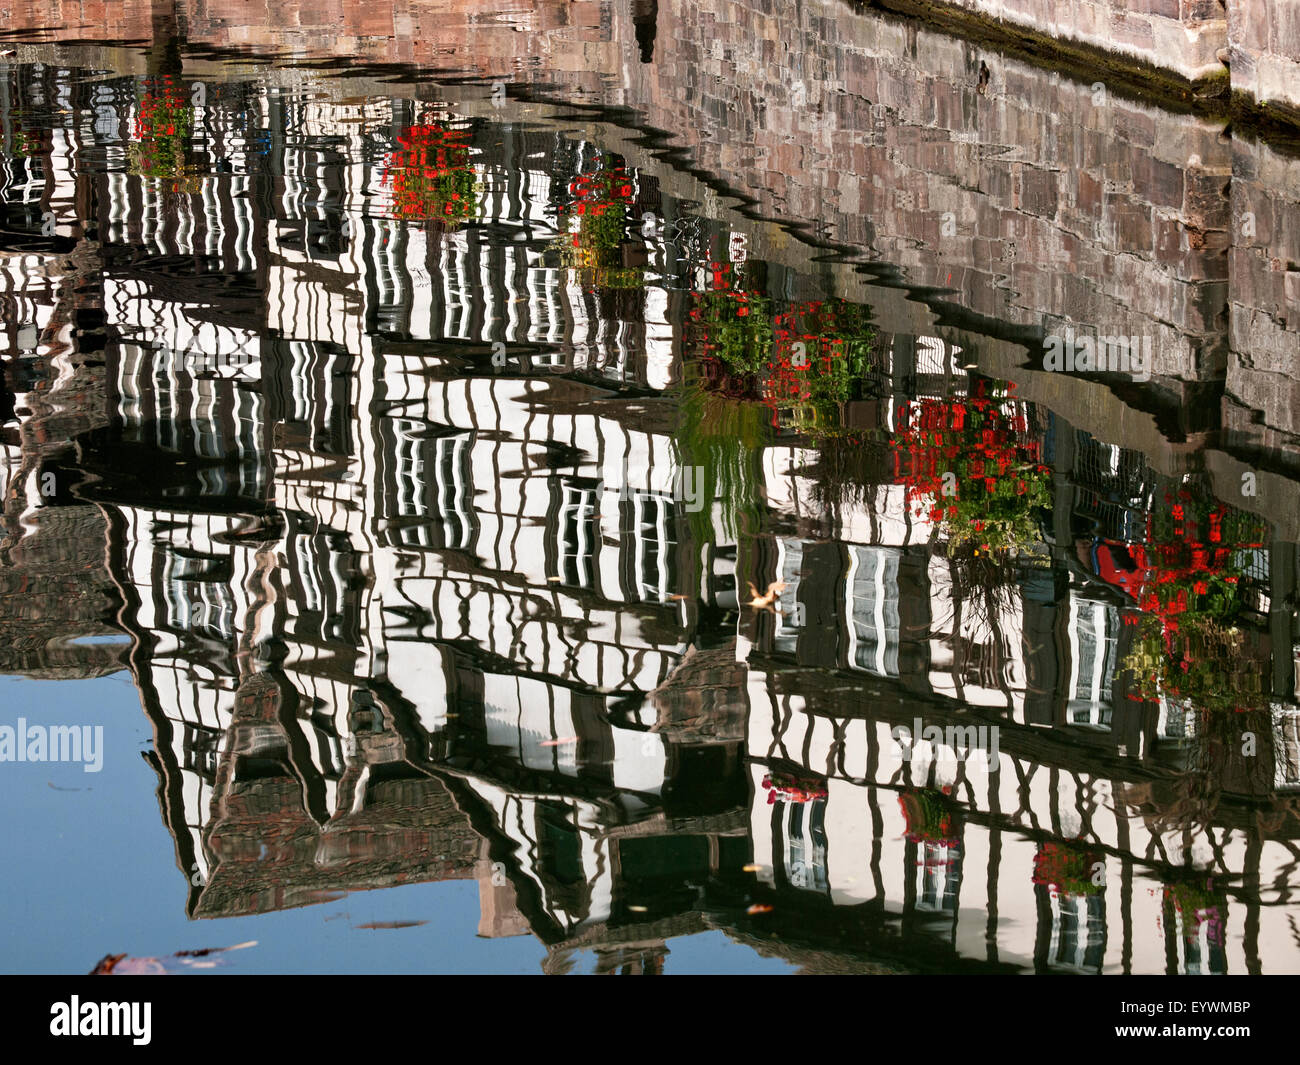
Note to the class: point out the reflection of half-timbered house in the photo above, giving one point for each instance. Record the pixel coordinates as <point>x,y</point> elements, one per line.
<point>53,581</point>
<point>387,566</point>
<point>402,612</point>
<point>982,857</point>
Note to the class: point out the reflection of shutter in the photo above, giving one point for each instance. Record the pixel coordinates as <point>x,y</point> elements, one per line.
<point>130,403</point>
<point>433,479</point>
<point>938,876</point>
<point>197,599</point>
<point>164,405</point>
<point>576,535</point>
<point>931,356</point>
<point>652,545</point>
<point>300,380</point>
<point>1093,652</point>
<point>409,470</point>
<point>1078,936</point>
<point>788,622</point>
<point>313,595</point>
<point>804,830</point>
<point>454,489</point>
<point>206,420</point>
<point>409,475</point>
<point>320,564</point>
<point>872,584</point>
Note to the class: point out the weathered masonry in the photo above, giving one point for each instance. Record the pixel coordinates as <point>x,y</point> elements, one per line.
<point>1253,44</point>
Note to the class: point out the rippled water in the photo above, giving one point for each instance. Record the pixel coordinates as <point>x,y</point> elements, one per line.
<point>507,555</point>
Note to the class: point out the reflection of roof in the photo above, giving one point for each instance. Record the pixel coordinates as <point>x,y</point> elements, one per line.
<point>1186,803</point>
<point>54,589</point>
<point>703,699</point>
<point>642,937</point>
<point>272,855</point>
<point>816,961</point>
<point>632,938</point>
<point>397,823</point>
<point>54,580</point>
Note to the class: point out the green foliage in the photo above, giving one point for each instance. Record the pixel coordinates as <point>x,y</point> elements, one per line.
<point>1068,868</point>
<point>1202,660</point>
<point>724,438</point>
<point>163,123</point>
<point>929,815</point>
<point>733,327</point>
<point>974,464</point>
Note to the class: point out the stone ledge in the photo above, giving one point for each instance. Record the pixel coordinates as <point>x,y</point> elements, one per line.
<point>1200,86</point>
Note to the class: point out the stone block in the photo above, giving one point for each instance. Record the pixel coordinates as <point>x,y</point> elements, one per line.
<point>1157,182</point>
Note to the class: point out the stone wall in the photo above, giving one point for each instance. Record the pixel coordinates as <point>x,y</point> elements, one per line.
<point>517,38</point>
<point>1263,382</point>
<point>1183,36</point>
<point>503,41</point>
<point>1258,40</point>
<point>1264,50</point>
<point>1039,201</point>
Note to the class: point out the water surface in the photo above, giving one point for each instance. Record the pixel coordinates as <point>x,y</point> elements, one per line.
<point>487,547</point>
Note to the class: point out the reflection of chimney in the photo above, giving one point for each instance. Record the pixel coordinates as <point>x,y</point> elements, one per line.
<point>641,959</point>
<point>164,55</point>
<point>499,914</point>
<point>645,17</point>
